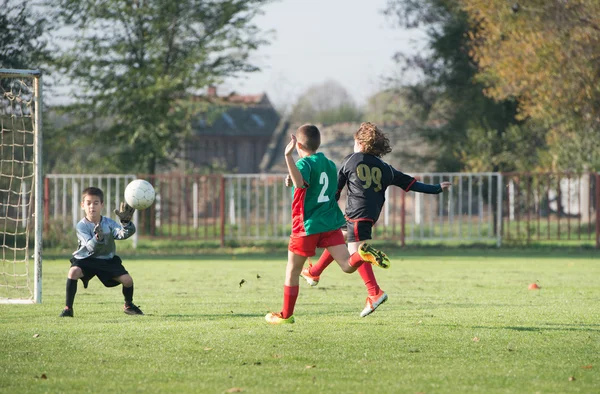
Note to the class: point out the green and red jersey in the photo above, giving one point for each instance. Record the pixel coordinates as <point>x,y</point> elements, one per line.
<point>314,206</point>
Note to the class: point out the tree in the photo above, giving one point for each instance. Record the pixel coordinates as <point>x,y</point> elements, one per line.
<point>136,63</point>
<point>454,113</point>
<point>25,44</point>
<point>23,39</point>
<point>544,55</point>
<point>328,103</point>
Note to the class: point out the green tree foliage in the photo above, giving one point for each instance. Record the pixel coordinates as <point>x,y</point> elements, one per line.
<point>453,112</point>
<point>23,39</point>
<point>326,103</point>
<point>25,44</point>
<point>544,55</point>
<point>134,64</point>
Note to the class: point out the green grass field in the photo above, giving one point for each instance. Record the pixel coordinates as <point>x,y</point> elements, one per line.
<point>456,322</point>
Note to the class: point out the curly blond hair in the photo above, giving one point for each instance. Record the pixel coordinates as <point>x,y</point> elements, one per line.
<point>373,141</point>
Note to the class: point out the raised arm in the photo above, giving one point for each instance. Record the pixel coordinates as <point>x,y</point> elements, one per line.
<point>295,174</point>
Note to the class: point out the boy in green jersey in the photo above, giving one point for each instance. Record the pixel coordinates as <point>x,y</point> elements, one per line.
<point>316,218</point>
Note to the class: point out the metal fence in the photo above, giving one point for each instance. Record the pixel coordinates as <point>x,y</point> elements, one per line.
<point>488,207</point>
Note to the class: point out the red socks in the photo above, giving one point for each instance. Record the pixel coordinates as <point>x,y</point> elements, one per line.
<point>356,260</point>
<point>290,295</point>
<point>366,273</point>
<point>324,261</point>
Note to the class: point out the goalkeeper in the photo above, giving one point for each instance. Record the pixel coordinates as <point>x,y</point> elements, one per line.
<point>95,255</point>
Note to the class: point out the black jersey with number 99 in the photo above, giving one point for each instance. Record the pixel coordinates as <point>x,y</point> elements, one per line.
<point>367,178</point>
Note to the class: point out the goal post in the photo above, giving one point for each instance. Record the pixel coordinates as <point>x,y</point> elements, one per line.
<point>21,186</point>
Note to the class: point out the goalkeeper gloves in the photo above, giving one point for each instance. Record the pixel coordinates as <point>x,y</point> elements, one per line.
<point>125,213</point>
<point>99,233</point>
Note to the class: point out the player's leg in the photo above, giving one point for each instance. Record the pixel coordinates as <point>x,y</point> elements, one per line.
<point>362,231</point>
<point>127,283</point>
<point>299,249</point>
<point>312,273</point>
<point>291,289</point>
<point>376,296</point>
<point>350,262</point>
<point>292,283</point>
<point>75,273</point>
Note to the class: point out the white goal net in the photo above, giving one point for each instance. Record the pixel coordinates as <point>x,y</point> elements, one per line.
<point>20,186</point>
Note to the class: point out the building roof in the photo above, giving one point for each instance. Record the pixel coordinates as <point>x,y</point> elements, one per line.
<point>236,115</point>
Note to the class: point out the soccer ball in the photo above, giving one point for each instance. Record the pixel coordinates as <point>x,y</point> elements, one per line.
<point>139,194</point>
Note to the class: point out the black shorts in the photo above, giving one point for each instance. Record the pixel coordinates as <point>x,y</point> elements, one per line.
<point>359,229</point>
<point>105,269</point>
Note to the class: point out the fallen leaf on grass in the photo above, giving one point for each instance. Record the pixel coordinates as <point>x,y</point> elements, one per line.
<point>586,366</point>
<point>235,390</point>
<point>475,339</point>
<point>311,366</point>
<point>571,378</point>
<point>36,335</point>
<point>207,349</point>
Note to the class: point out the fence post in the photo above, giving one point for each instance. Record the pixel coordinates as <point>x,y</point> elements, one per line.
<point>597,211</point>
<point>499,212</point>
<point>222,211</point>
<point>46,205</point>
<point>403,219</point>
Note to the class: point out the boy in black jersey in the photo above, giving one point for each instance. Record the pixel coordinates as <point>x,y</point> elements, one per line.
<point>367,178</point>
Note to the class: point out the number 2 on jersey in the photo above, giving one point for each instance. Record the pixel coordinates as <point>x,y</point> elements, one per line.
<point>323,180</point>
<point>369,175</point>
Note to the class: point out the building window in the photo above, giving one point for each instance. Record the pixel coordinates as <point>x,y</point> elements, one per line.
<point>258,120</point>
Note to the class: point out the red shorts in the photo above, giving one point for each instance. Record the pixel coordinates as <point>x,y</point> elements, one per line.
<point>306,245</point>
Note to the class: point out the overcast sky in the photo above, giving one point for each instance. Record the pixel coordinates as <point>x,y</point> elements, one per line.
<point>350,41</point>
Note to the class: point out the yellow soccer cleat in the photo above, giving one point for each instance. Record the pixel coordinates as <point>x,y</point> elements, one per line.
<point>374,256</point>
<point>276,318</point>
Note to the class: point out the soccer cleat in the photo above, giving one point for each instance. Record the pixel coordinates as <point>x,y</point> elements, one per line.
<point>132,309</point>
<point>373,256</point>
<point>67,312</point>
<point>276,318</point>
<point>373,302</point>
<point>311,279</point>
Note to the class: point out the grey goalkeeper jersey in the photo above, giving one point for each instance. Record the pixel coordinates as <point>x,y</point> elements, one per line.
<point>89,246</point>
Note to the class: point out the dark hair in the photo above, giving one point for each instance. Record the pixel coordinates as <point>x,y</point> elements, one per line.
<point>309,136</point>
<point>93,191</point>
<point>373,141</point>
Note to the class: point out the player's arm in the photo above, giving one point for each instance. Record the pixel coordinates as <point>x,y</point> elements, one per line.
<point>341,183</point>
<point>430,189</point>
<point>295,174</point>
<point>87,239</point>
<point>342,180</point>
<point>123,231</point>
<point>408,183</point>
